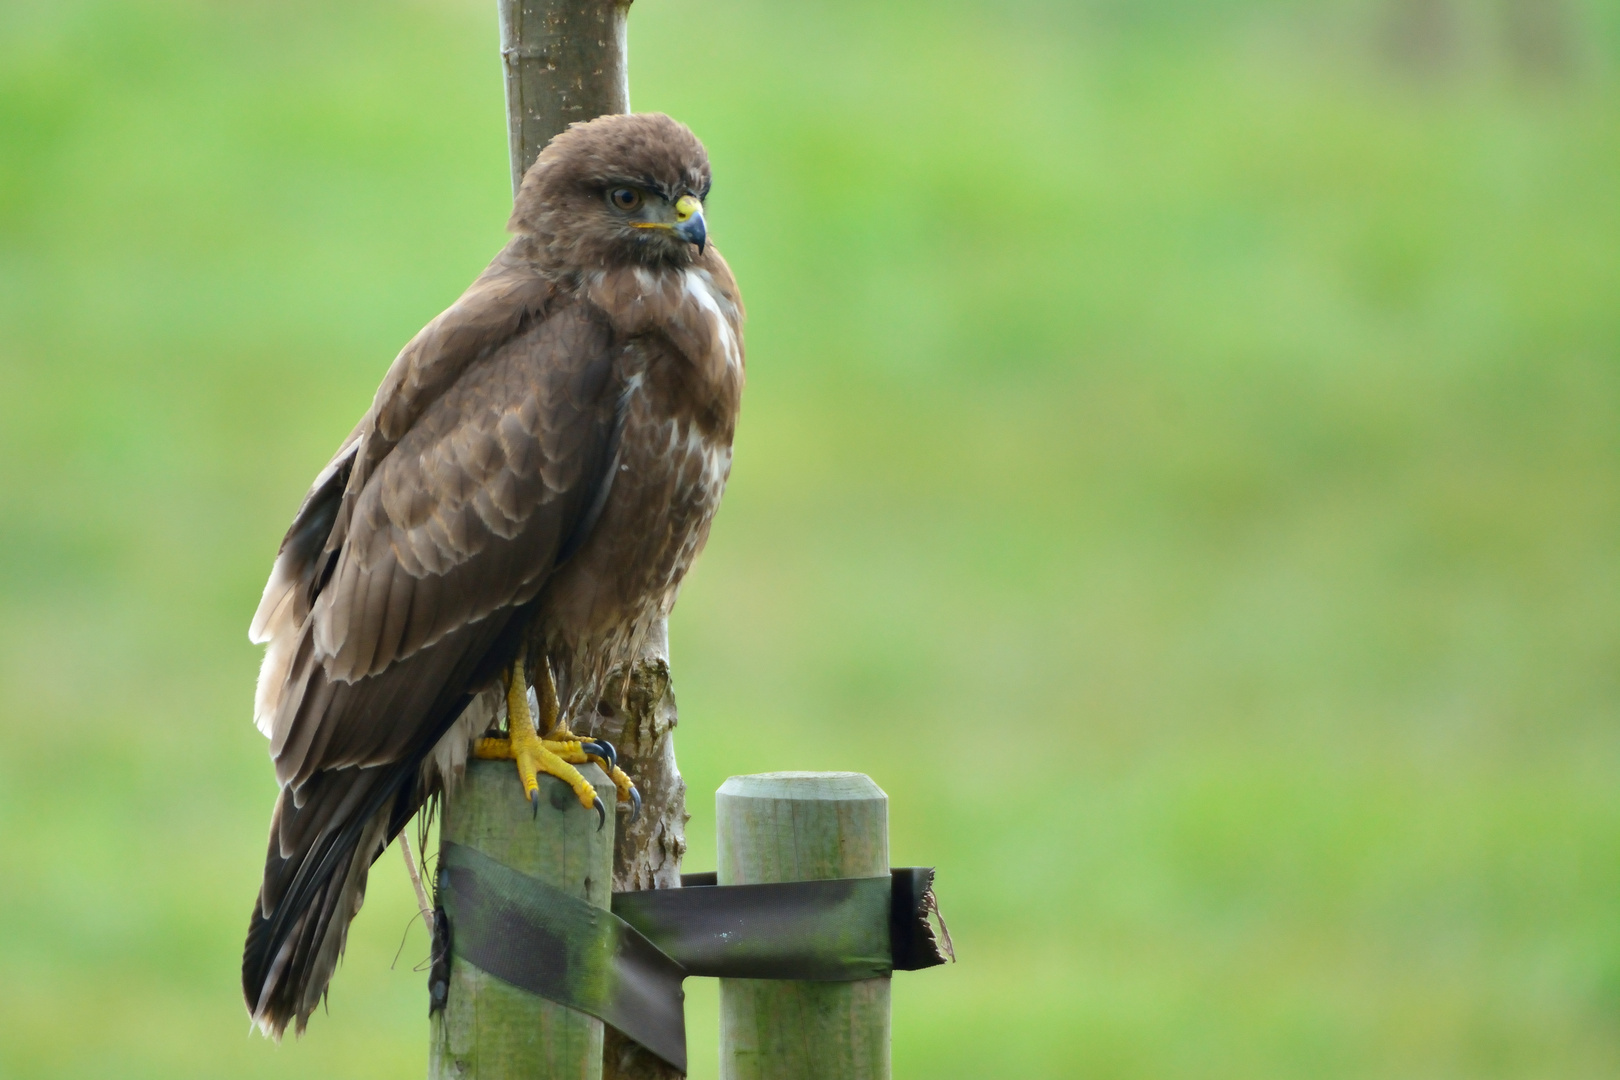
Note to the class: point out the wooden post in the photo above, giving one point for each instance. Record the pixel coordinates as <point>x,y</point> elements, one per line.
<point>565,60</point>
<point>799,826</point>
<point>489,1029</point>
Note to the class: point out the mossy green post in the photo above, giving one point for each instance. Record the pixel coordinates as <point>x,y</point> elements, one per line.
<point>489,1029</point>
<point>800,826</point>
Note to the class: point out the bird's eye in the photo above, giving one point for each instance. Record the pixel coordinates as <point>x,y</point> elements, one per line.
<point>625,198</point>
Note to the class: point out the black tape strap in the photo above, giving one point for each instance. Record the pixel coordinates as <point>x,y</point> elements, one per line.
<point>625,966</point>
<point>540,939</point>
<point>835,930</point>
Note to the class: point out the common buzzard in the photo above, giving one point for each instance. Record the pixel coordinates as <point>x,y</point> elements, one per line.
<point>534,477</point>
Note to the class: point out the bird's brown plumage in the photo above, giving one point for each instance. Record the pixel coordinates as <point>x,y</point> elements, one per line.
<point>538,469</point>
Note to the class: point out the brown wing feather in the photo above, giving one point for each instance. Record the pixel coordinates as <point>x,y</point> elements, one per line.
<point>465,517</point>
<point>381,631</point>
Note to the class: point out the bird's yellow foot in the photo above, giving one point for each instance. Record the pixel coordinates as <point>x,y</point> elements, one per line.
<point>627,791</point>
<point>601,751</point>
<point>534,755</point>
<point>557,754</point>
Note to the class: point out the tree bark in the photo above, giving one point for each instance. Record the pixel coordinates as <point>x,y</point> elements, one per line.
<point>565,60</point>
<point>646,855</point>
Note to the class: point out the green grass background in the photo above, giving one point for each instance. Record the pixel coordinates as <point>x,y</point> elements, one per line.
<point>1180,463</point>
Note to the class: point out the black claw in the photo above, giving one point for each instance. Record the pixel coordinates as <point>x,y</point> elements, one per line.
<point>601,811</point>
<point>635,805</point>
<point>602,749</point>
<point>534,803</point>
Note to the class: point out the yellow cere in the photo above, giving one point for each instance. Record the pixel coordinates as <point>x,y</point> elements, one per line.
<point>686,206</point>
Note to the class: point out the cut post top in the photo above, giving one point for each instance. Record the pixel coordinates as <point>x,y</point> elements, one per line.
<point>800,826</point>
<point>829,786</point>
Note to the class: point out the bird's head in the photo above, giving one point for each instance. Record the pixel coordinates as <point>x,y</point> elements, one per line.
<point>616,191</point>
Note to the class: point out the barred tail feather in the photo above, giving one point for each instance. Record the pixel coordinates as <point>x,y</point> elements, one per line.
<point>322,843</point>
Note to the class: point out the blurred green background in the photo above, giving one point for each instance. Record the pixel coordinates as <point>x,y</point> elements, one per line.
<point>1180,463</point>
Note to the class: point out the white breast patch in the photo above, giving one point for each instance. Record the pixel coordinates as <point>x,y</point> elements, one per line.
<point>700,287</point>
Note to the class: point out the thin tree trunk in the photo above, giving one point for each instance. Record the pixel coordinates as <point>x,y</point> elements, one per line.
<point>565,60</point>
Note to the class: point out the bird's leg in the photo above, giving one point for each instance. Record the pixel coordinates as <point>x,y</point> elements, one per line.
<point>533,754</point>
<point>573,748</point>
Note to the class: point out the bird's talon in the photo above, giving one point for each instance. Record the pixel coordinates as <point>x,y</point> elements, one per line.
<point>603,749</point>
<point>555,755</point>
<point>635,805</point>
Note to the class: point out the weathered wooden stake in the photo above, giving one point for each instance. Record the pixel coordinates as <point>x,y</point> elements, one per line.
<point>799,826</point>
<point>489,1029</point>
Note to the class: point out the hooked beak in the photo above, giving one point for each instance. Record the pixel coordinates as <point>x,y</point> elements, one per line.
<point>689,224</point>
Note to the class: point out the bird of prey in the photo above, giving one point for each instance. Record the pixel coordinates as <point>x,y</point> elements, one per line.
<point>517,507</point>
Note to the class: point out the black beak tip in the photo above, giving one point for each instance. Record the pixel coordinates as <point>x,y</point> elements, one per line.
<point>694,231</point>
